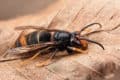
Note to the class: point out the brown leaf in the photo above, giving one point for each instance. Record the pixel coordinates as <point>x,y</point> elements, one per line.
<point>96,64</point>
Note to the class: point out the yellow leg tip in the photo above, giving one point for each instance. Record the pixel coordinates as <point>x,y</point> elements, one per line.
<point>45,63</point>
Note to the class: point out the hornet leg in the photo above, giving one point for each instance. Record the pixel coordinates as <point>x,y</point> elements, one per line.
<point>70,50</point>
<point>33,57</point>
<point>48,61</point>
<point>30,59</point>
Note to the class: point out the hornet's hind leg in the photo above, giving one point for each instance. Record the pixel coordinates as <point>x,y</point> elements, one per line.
<point>34,56</point>
<point>48,61</point>
<point>30,59</point>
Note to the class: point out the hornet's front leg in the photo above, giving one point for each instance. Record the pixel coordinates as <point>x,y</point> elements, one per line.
<point>70,50</point>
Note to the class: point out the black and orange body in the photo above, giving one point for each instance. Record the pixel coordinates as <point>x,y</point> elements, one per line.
<point>52,40</point>
<point>35,37</point>
<point>63,40</point>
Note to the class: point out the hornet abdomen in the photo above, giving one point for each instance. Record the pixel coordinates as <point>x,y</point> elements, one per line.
<point>33,38</point>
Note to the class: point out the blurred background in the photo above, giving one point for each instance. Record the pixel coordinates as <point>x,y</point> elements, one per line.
<point>14,8</point>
